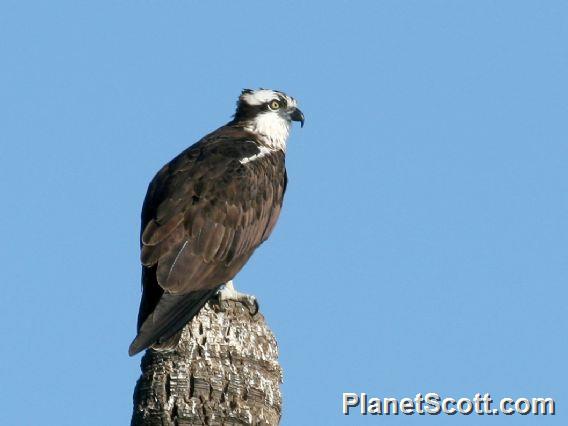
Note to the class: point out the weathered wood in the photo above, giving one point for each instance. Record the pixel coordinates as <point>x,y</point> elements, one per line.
<point>224,371</point>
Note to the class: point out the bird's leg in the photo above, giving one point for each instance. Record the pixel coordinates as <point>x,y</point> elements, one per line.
<point>228,292</point>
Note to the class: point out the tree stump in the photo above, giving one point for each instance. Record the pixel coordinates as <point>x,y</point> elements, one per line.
<point>224,371</point>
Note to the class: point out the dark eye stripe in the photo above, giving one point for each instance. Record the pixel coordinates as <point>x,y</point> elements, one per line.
<point>281,100</point>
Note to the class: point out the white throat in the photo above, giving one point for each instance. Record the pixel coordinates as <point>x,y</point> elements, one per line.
<point>273,129</point>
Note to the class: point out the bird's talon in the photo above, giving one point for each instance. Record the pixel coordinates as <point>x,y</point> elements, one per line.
<point>229,293</point>
<point>256,307</point>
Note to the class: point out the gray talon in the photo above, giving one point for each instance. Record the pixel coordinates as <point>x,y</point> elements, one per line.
<point>256,307</point>
<point>229,293</point>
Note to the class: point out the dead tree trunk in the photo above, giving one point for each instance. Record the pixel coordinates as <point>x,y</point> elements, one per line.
<point>224,371</point>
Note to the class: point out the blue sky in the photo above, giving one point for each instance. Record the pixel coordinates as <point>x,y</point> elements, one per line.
<point>422,247</point>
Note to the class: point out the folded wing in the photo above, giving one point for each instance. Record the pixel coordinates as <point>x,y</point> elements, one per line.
<point>204,215</point>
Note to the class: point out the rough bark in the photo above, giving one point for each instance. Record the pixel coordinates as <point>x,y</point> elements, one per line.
<point>224,371</point>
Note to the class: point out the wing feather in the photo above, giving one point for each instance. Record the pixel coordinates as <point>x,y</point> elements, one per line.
<point>154,232</point>
<point>204,215</point>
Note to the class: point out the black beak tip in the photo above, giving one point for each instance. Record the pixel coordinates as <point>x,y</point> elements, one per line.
<point>298,115</point>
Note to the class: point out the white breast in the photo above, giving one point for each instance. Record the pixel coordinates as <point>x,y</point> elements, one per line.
<point>272,128</point>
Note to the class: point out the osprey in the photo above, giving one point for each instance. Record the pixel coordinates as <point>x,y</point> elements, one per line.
<point>206,212</point>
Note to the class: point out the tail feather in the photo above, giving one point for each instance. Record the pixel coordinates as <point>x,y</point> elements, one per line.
<point>170,315</point>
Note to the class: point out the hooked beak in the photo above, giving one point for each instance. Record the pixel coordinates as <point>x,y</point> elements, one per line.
<point>297,115</point>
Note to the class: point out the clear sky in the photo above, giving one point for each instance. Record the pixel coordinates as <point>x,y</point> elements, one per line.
<point>423,242</point>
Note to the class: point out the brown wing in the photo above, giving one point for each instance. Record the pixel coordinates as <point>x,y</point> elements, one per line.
<point>213,213</point>
<point>204,215</point>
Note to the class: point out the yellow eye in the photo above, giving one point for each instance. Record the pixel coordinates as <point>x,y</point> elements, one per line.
<point>274,105</point>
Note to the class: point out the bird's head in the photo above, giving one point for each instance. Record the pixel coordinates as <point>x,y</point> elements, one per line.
<point>268,113</point>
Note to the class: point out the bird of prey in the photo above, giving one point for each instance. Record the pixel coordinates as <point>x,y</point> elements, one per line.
<point>206,212</point>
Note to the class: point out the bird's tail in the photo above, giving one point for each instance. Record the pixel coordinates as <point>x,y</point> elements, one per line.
<point>172,312</point>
